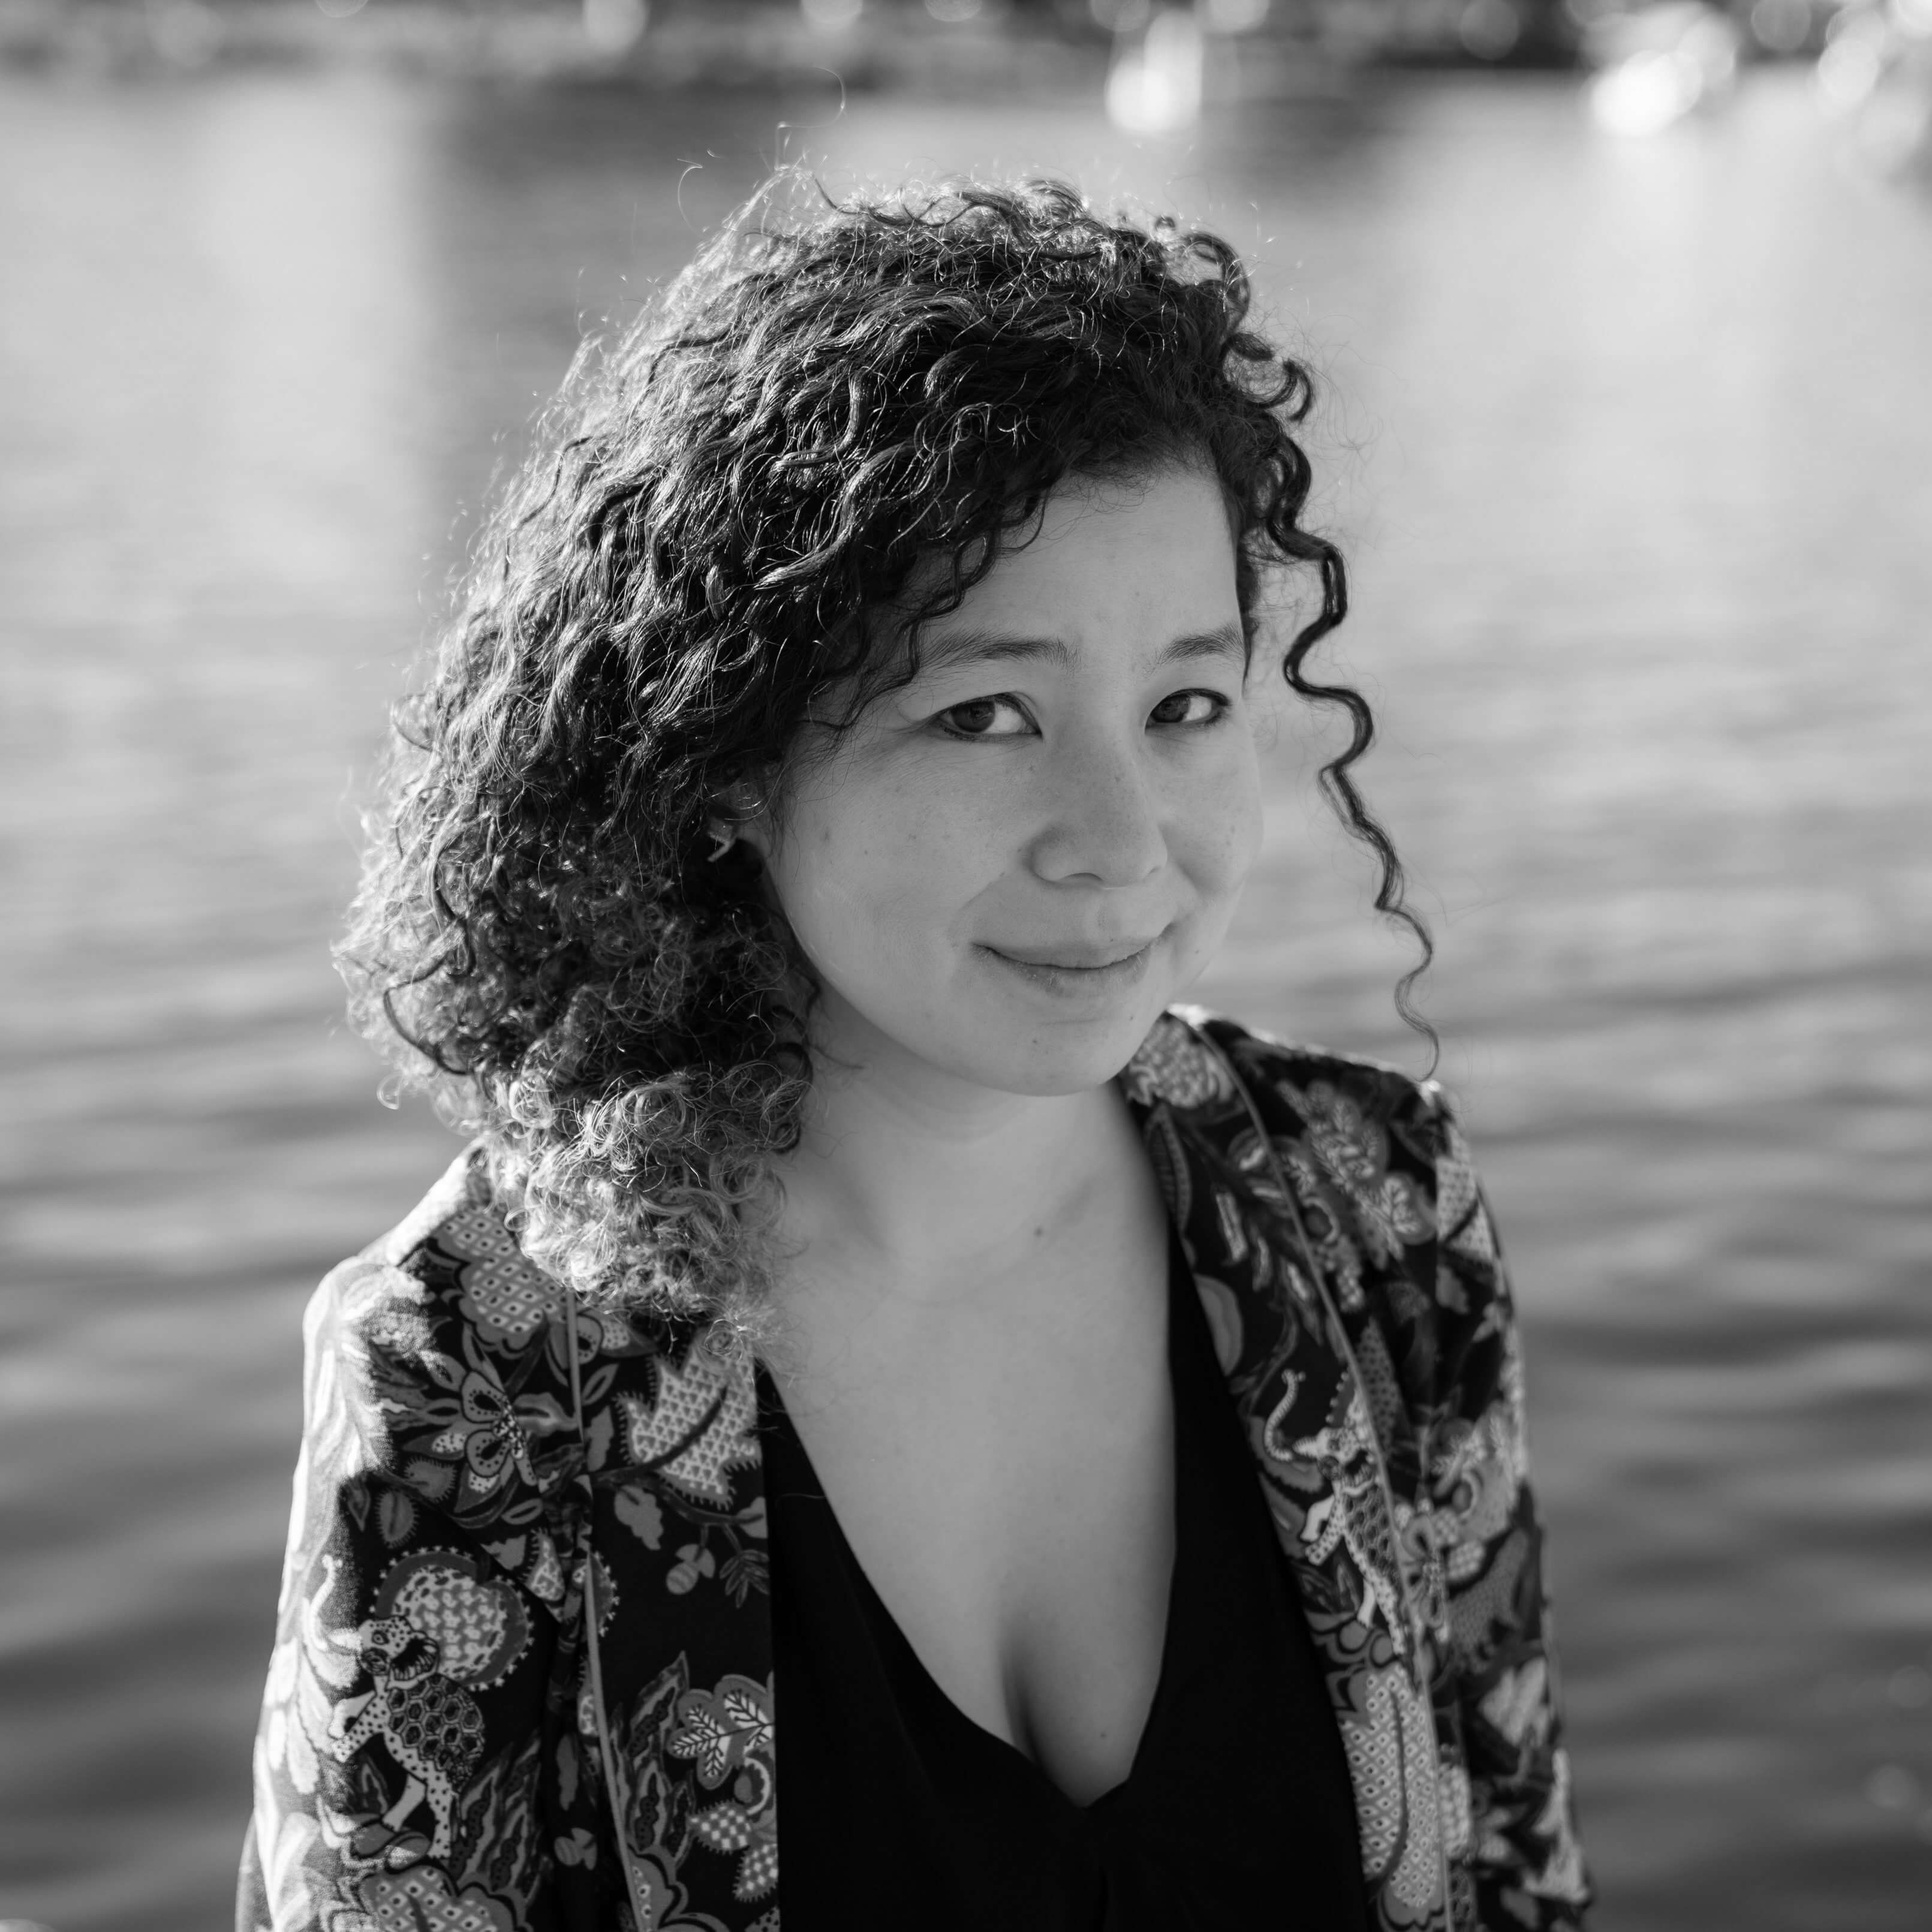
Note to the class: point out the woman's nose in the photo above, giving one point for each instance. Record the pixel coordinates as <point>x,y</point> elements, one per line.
<point>1102,818</point>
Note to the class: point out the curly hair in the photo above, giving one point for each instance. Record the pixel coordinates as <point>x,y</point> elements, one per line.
<point>825,433</point>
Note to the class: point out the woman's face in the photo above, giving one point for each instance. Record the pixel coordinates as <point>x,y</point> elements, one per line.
<point>1008,867</point>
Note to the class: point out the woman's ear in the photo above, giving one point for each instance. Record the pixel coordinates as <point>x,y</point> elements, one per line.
<point>740,813</point>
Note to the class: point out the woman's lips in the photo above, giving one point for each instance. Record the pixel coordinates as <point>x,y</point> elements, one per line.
<point>1078,969</point>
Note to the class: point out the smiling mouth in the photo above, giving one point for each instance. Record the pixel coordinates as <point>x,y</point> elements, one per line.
<point>1074,967</point>
<point>1077,958</point>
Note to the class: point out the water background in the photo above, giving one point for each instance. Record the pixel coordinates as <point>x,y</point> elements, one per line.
<point>1631,444</point>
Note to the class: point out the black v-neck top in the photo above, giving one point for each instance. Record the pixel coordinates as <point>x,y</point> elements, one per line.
<point>899,1811</point>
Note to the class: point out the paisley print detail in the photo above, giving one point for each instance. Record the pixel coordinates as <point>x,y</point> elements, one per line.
<point>1475,1238</point>
<point>696,1428</point>
<point>542,1574</point>
<point>1352,1150</point>
<point>1476,1477</point>
<point>1456,1199</point>
<point>1560,1877</point>
<point>1390,1742</point>
<point>478,1233</point>
<point>1172,1065</point>
<point>508,1301</point>
<point>1352,1516</point>
<point>1452,1785</point>
<point>417,1753</point>
<point>728,1733</point>
<point>666,1902</point>
<point>717,1738</point>
<point>419,1900</point>
<point>1379,1385</point>
<point>1276,1439</point>
<point>1517,1704</point>
<point>1336,1253</point>
<point>1483,1607</point>
<point>1234,1235</point>
<point>486,1436</point>
<point>423,1717</point>
<point>1415,1881</point>
<point>436,1752</point>
<point>479,1627</point>
<point>507,1298</point>
<point>475,1234</point>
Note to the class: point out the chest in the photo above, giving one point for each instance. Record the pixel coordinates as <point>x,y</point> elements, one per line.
<point>1002,1471</point>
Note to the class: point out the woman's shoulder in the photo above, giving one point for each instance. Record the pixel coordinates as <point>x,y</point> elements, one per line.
<point>447,1366</point>
<point>1197,1060</point>
<point>415,1340</point>
<point>1374,1146</point>
<point>451,1263</point>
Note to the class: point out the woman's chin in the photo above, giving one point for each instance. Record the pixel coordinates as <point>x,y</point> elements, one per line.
<point>1018,1028</point>
<point>1022,1052</point>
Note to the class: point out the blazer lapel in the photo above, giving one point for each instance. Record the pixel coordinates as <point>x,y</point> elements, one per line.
<point>673,1578</point>
<point>1300,1396</point>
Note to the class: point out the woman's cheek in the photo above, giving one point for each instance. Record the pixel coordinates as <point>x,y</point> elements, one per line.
<point>953,820</point>
<point>894,862</point>
<point>1226,825</point>
<point>1248,827</point>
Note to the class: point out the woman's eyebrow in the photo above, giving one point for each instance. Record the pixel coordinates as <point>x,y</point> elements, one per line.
<point>1225,640</point>
<point>969,647</point>
<point>958,648</point>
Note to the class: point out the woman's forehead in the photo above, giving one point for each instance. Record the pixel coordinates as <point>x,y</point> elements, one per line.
<point>1151,562</point>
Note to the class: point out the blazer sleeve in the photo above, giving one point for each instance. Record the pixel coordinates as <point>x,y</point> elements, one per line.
<point>1477,1529</point>
<point>412,1765</point>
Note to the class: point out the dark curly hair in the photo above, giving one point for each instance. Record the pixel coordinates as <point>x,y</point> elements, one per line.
<point>822,438</point>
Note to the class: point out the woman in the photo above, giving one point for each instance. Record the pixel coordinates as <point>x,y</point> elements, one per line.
<point>862,1283</point>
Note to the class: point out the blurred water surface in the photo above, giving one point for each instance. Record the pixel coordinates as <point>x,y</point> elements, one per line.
<point>1629,443</point>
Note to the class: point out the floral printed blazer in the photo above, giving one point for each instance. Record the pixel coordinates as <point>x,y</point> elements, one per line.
<point>523,1674</point>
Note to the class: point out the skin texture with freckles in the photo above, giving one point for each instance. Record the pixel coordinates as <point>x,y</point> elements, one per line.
<point>1002,875</point>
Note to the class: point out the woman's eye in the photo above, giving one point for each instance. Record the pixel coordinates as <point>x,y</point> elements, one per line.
<point>1189,707</point>
<point>985,718</point>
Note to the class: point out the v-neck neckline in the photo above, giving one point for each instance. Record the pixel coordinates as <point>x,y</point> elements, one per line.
<point>911,1668</point>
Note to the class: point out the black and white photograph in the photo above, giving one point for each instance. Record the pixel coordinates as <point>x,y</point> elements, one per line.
<point>1015,912</point>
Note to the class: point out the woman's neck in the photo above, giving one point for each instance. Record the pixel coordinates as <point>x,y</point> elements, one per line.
<point>927,1185</point>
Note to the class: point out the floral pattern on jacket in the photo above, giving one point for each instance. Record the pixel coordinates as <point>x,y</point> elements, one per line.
<point>481,1464</point>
